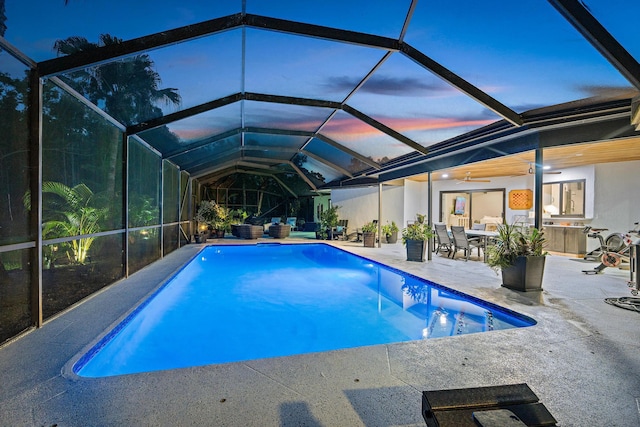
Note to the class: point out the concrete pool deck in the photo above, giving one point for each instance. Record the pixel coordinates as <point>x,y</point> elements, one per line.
<point>582,360</point>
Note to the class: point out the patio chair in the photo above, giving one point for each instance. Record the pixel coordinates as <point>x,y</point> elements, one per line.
<point>462,242</point>
<point>279,231</point>
<point>341,229</point>
<point>292,221</point>
<point>443,241</point>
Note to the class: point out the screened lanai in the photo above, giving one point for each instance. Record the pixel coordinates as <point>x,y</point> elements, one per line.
<point>118,118</point>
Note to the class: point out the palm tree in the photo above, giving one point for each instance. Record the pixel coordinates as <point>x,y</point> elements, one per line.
<point>71,212</point>
<point>128,89</point>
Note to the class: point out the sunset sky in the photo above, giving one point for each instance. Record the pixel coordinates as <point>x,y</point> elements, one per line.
<point>524,54</point>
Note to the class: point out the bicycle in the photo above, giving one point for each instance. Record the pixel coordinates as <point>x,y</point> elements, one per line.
<point>613,242</point>
<point>614,250</point>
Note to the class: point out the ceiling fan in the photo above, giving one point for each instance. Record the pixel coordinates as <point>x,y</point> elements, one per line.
<point>467,178</point>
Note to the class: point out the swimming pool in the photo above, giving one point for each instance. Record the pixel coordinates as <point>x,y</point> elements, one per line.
<point>242,302</point>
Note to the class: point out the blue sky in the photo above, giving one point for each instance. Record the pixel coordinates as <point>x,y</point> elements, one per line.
<point>524,54</point>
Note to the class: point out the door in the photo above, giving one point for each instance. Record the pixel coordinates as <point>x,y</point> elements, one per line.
<point>475,206</point>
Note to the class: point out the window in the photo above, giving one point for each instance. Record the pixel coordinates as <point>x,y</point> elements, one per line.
<point>564,199</point>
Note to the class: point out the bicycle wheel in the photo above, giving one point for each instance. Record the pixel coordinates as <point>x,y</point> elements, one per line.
<point>615,242</point>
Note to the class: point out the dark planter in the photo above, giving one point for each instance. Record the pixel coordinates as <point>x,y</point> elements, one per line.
<point>525,275</point>
<point>392,238</point>
<point>329,233</point>
<point>369,238</point>
<point>416,250</point>
<point>200,238</point>
<point>219,234</point>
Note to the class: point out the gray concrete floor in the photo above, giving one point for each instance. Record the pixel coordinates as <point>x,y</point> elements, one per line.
<point>582,359</point>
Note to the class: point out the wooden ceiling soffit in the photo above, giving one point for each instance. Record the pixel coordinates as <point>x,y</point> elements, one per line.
<point>635,112</point>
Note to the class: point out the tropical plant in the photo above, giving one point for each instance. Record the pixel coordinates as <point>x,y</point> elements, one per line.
<point>329,218</point>
<point>417,231</point>
<point>237,216</point>
<point>71,211</point>
<point>213,215</point>
<point>143,211</point>
<point>370,227</point>
<point>511,243</point>
<point>389,229</point>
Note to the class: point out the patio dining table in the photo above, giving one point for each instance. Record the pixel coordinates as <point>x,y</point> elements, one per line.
<point>485,238</point>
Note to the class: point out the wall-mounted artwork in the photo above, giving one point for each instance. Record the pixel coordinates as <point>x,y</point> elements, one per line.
<point>460,205</point>
<point>520,199</point>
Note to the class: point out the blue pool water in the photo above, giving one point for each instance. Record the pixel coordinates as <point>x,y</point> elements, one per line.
<point>243,302</point>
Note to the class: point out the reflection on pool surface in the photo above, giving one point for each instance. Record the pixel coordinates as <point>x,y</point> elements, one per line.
<point>243,302</point>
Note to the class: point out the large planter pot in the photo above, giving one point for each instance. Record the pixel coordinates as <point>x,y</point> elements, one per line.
<point>219,234</point>
<point>392,238</point>
<point>525,275</point>
<point>369,238</point>
<point>416,249</point>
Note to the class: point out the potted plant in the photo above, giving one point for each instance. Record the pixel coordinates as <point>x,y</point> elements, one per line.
<point>200,238</point>
<point>415,238</point>
<point>520,255</point>
<point>369,234</point>
<point>390,232</point>
<point>329,220</point>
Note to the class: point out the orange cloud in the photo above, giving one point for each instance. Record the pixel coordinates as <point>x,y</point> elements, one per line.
<point>354,127</point>
<point>195,133</point>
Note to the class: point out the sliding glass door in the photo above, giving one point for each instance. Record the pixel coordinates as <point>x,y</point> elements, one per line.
<point>472,207</point>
